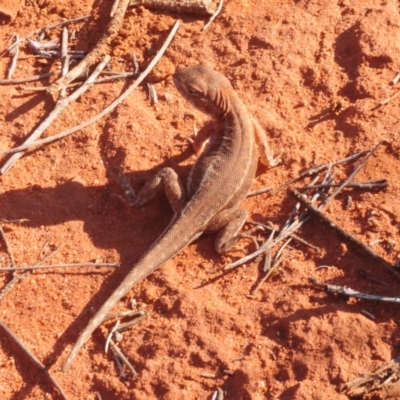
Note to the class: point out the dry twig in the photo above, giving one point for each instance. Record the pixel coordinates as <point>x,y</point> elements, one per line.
<point>353,293</point>
<point>217,11</point>
<point>110,107</point>
<point>32,357</point>
<point>100,50</point>
<point>64,58</point>
<point>14,52</point>
<point>19,277</point>
<point>46,28</point>
<point>60,105</point>
<point>122,357</point>
<point>374,380</point>
<point>8,248</point>
<point>389,99</point>
<point>197,7</point>
<point>320,168</point>
<point>375,184</point>
<point>79,265</point>
<point>259,191</point>
<point>317,212</point>
<point>28,79</point>
<point>350,177</point>
<point>277,261</point>
<point>293,236</point>
<point>111,78</point>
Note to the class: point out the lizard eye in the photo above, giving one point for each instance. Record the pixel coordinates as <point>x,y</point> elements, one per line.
<point>193,92</point>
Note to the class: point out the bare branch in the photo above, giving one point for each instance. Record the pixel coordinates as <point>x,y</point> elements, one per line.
<point>32,357</point>
<point>110,107</point>
<point>100,50</point>
<point>61,104</point>
<point>78,265</point>
<point>46,28</point>
<point>353,293</point>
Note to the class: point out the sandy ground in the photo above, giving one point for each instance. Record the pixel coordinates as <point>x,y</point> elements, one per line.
<point>313,72</point>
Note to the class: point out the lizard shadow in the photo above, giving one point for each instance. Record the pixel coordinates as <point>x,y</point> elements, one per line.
<point>109,223</point>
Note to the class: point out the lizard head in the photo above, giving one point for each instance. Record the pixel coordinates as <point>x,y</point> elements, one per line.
<point>205,89</point>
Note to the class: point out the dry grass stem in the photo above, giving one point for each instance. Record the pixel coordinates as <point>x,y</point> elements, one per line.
<point>101,49</point>
<point>33,359</point>
<point>348,237</point>
<point>110,107</point>
<point>46,28</point>
<point>122,357</point>
<point>215,15</point>
<point>78,265</point>
<point>353,293</point>
<point>60,105</point>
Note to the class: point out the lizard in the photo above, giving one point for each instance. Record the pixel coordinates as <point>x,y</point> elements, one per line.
<point>218,182</point>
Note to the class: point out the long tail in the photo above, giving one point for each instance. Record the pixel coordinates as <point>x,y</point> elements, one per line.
<point>176,237</point>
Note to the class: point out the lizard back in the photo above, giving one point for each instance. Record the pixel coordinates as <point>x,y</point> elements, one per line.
<point>220,179</point>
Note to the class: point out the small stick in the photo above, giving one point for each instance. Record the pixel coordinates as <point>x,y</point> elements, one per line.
<point>374,380</point>
<point>80,265</point>
<point>389,99</point>
<point>75,84</point>
<point>114,8</point>
<point>293,236</point>
<point>152,93</point>
<point>46,28</point>
<point>353,293</point>
<point>197,7</point>
<point>284,233</point>
<point>259,191</point>
<point>135,64</point>
<point>52,254</point>
<point>368,314</point>
<point>8,248</point>
<point>122,357</point>
<point>314,210</point>
<point>122,314</point>
<point>120,366</point>
<point>76,55</point>
<point>350,177</point>
<point>14,53</point>
<point>100,50</point>
<point>20,277</point>
<point>379,183</point>
<point>28,79</point>
<point>61,104</point>
<point>64,58</point>
<point>32,357</point>
<point>109,337</point>
<point>371,278</point>
<point>208,375</point>
<point>267,261</point>
<point>14,221</point>
<point>217,11</point>
<point>124,326</point>
<point>396,79</point>
<point>278,259</point>
<point>316,169</point>
<point>111,106</point>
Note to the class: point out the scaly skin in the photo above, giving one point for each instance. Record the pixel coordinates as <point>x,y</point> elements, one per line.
<point>218,183</point>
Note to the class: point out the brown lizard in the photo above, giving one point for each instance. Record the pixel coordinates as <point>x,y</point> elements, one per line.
<point>217,185</point>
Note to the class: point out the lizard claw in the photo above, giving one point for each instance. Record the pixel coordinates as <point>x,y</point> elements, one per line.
<point>122,180</point>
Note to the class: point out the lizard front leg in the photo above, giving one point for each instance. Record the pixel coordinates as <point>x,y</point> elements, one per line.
<point>166,179</point>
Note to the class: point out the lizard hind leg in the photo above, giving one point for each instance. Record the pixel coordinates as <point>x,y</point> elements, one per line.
<point>228,222</point>
<point>166,179</point>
